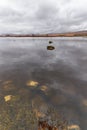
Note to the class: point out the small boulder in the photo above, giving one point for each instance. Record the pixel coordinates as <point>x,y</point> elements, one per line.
<point>50,47</point>
<point>50,42</point>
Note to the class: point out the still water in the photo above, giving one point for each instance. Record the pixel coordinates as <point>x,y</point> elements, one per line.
<point>56,77</point>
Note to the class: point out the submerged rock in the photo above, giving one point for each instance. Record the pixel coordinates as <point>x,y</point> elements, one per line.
<point>44,88</point>
<point>8,98</point>
<point>32,83</point>
<point>73,127</point>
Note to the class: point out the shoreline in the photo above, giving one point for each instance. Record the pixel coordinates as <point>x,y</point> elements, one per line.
<point>42,36</point>
<point>73,34</point>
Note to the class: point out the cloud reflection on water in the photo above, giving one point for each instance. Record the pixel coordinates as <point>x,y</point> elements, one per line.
<point>61,72</point>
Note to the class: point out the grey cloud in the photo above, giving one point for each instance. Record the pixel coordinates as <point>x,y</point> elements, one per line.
<point>46,12</point>
<point>43,16</point>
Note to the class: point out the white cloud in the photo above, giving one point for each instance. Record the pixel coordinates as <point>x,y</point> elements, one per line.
<point>26,16</point>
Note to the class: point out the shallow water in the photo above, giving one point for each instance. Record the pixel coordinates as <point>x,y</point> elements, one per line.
<point>57,77</point>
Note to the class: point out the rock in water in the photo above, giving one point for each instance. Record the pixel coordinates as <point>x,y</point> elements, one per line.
<point>50,47</point>
<point>50,42</point>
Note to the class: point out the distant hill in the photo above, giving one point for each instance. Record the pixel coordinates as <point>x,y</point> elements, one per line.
<point>67,34</point>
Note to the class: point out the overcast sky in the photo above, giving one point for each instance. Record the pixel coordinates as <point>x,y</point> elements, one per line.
<point>42,16</point>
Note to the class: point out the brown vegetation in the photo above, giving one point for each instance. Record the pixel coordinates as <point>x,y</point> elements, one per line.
<point>43,125</point>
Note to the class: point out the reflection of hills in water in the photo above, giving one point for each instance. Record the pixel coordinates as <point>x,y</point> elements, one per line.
<point>29,72</point>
